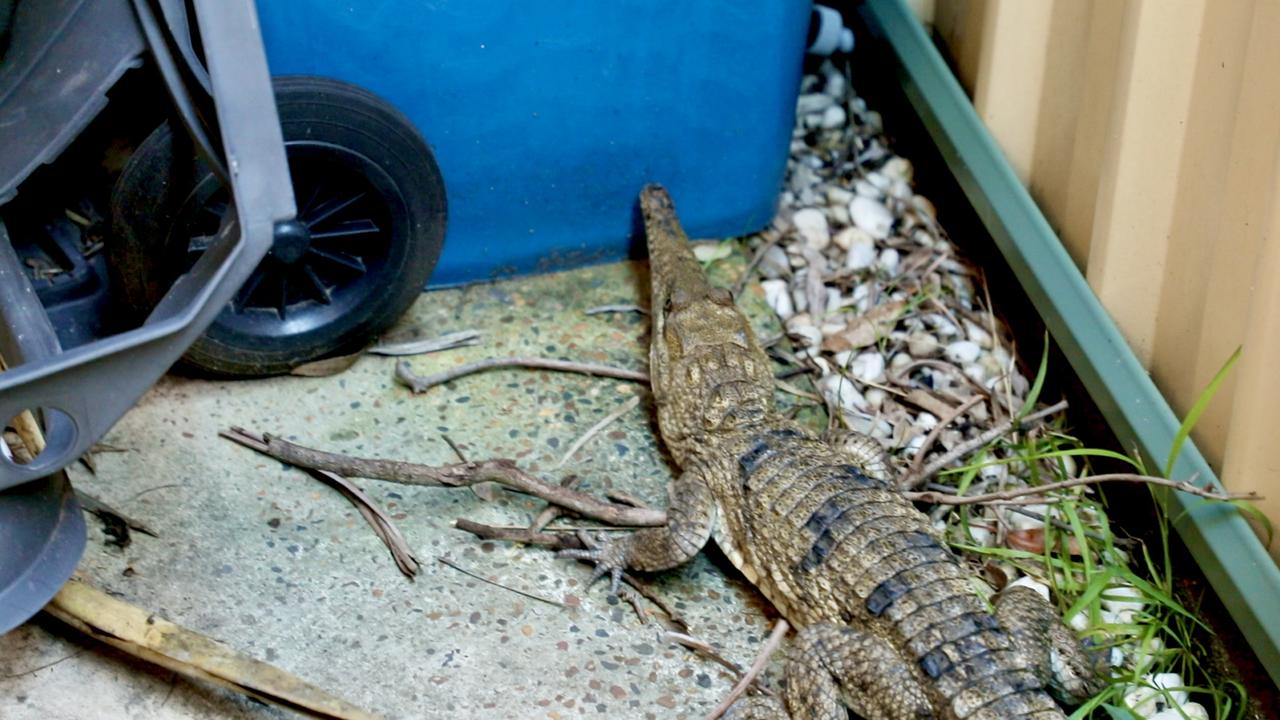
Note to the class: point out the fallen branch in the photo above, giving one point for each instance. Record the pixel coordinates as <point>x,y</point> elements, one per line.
<point>377,518</point>
<point>939,498</point>
<point>143,634</point>
<point>558,541</point>
<point>448,341</point>
<point>911,482</point>
<point>463,474</point>
<point>770,647</point>
<point>422,383</point>
<point>916,462</point>
<point>527,536</point>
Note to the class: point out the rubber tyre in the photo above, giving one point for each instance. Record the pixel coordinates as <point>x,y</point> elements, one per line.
<point>334,132</point>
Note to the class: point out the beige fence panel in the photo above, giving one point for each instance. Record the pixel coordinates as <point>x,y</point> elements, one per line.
<point>1149,132</point>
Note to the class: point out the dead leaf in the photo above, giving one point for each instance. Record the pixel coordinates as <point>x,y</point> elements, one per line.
<point>327,366</point>
<point>866,329</point>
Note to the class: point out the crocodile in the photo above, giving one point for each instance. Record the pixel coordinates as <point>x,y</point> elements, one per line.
<point>890,623</point>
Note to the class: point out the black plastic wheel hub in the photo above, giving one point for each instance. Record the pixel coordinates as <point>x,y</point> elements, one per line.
<point>291,241</point>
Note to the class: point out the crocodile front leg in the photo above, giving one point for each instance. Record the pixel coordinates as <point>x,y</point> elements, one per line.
<point>834,667</point>
<point>691,516</point>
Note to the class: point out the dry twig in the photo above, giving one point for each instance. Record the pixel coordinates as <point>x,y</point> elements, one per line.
<point>963,449</point>
<point>704,649</point>
<point>602,309</point>
<point>623,409</point>
<point>449,563</point>
<point>932,437</point>
<point>770,646</point>
<point>378,519</point>
<point>558,541</point>
<point>939,498</point>
<point>503,471</point>
<point>422,383</point>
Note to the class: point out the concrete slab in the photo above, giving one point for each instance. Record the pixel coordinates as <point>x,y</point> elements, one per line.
<point>277,565</point>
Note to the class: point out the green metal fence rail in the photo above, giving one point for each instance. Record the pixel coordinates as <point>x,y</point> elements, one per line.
<point>1230,555</point>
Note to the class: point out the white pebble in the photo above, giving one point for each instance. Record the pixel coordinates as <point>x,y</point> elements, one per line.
<point>839,391</point>
<point>1080,620</point>
<point>834,117</point>
<point>872,216</point>
<point>926,421</point>
<point>975,372</point>
<point>868,367</point>
<point>941,324</point>
<point>963,351</point>
<point>807,335</point>
<point>811,223</point>
<point>994,473</point>
<point>837,195</point>
<point>914,444</point>
<point>778,295</point>
<point>799,297</point>
<point>1018,521</point>
<point>1033,584</point>
<point>875,397</point>
<point>834,327</point>
<point>866,189</point>
<point>813,103</point>
<point>981,536</point>
<point>879,180</point>
<point>1150,652</point>
<point>1124,600</point>
<point>835,84</point>
<point>923,345</point>
<point>889,261</point>
<point>844,238</point>
<point>1150,701</point>
<point>898,168</point>
<point>1021,386</point>
<point>900,360</point>
<point>862,250</point>
<point>833,300</point>
<point>977,334</point>
<point>774,264</point>
<point>900,190</point>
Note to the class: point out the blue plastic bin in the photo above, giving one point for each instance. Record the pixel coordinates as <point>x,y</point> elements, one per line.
<point>547,116</point>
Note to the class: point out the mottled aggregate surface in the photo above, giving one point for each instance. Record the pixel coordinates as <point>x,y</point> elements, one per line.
<point>277,565</point>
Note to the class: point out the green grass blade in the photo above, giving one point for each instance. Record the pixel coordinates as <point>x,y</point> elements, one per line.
<point>1034,395</point>
<point>1193,416</point>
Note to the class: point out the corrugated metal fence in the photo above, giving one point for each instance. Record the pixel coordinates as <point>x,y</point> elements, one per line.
<point>1149,133</point>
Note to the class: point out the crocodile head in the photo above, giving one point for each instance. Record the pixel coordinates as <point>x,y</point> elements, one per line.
<point>708,372</point>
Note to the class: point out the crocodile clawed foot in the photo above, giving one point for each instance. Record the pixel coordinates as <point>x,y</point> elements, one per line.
<point>608,554</point>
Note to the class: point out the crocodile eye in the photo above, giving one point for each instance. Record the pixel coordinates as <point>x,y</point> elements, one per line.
<point>721,296</point>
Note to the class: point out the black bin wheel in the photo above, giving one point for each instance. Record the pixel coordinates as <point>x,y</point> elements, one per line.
<point>369,194</point>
